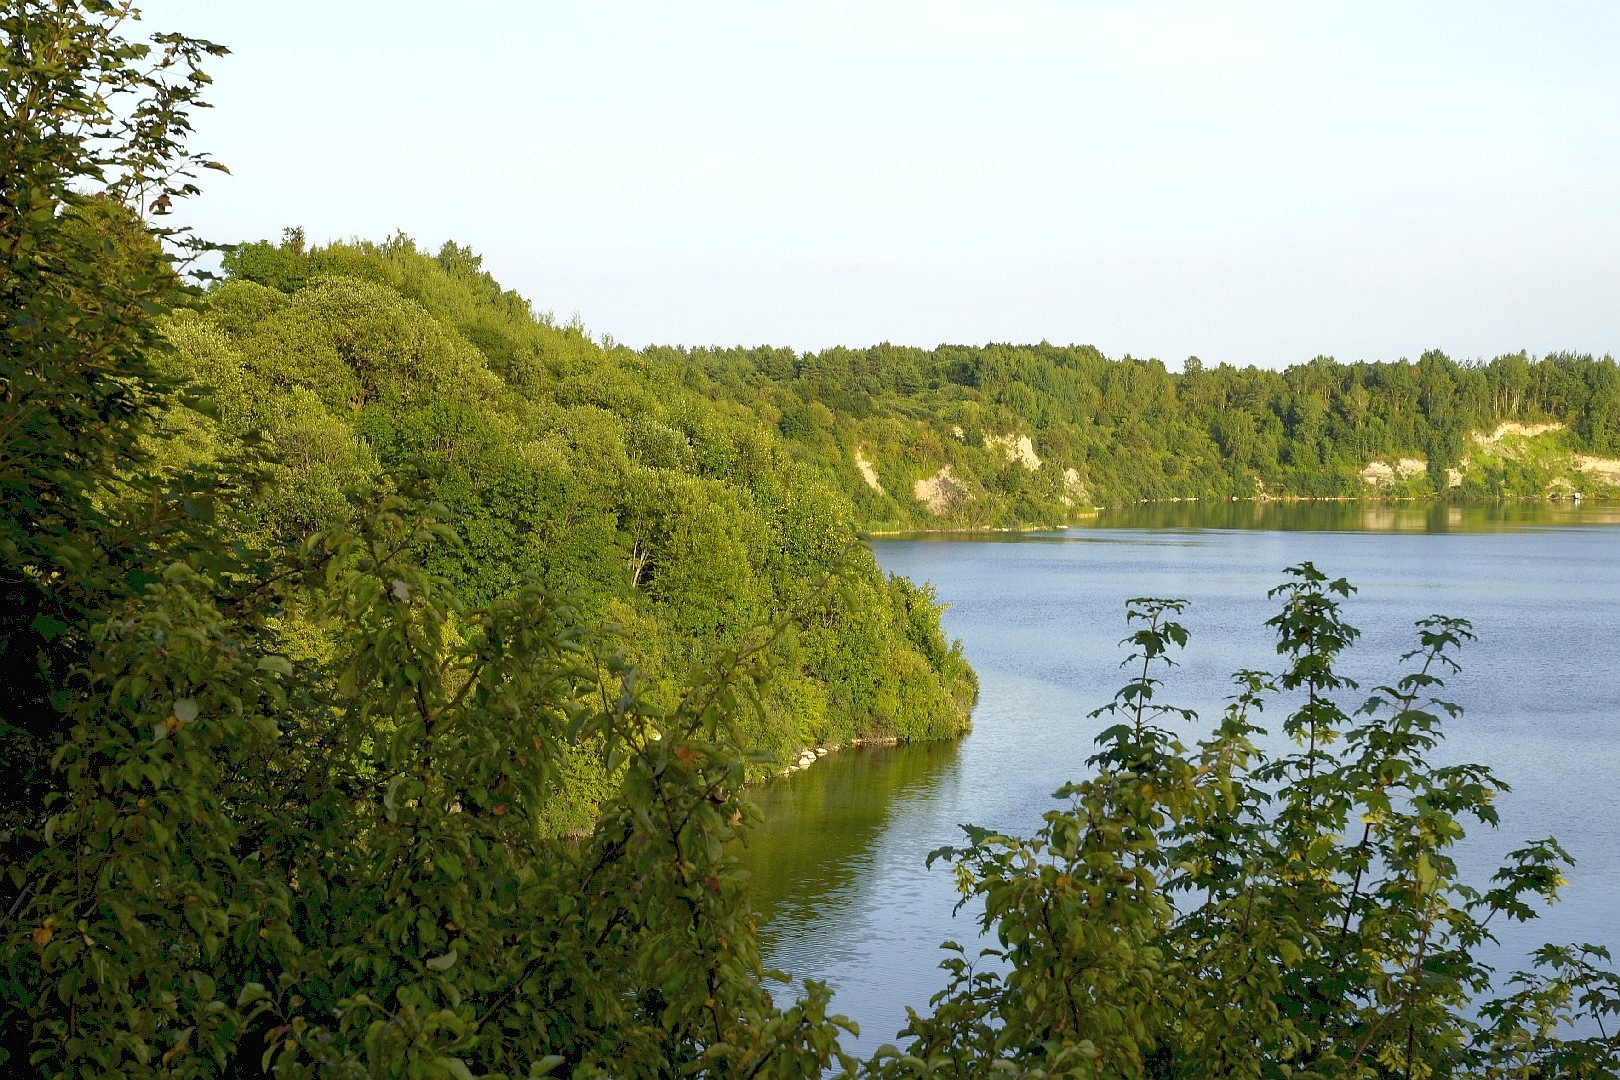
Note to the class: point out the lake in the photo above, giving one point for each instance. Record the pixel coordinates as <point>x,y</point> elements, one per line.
<point>838,864</point>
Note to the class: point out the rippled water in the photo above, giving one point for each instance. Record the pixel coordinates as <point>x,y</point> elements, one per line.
<point>839,862</point>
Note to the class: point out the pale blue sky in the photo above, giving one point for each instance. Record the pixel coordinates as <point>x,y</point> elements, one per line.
<point>1250,182</point>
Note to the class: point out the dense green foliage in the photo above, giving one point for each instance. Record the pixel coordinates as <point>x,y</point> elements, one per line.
<point>346,871</point>
<point>90,120</point>
<point>1106,432</point>
<point>308,671</point>
<point>563,463</point>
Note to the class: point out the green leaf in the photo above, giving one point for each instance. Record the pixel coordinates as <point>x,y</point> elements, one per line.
<point>48,627</point>
<point>1426,872</point>
<point>278,664</point>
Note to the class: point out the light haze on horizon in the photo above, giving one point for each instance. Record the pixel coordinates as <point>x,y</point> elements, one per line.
<point>1251,183</point>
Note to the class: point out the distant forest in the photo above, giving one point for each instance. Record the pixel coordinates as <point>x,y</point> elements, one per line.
<point>1107,432</point>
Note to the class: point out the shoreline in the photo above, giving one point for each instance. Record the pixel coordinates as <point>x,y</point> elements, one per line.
<point>809,755</point>
<point>1257,500</point>
<point>804,757</point>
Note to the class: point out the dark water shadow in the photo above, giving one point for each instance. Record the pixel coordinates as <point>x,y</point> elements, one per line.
<point>820,826</point>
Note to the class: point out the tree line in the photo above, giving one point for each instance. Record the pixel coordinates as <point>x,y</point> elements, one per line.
<point>1109,432</point>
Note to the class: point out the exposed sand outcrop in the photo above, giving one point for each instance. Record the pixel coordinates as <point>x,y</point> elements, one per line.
<point>1489,444</point>
<point>1377,474</point>
<point>939,492</point>
<point>1380,473</point>
<point>1512,427</point>
<point>1018,448</point>
<point>1604,470</point>
<point>868,471</point>
<point>1074,489</point>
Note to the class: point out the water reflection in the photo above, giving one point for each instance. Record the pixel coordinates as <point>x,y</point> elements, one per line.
<point>839,884</point>
<point>1356,516</point>
<point>1314,516</point>
<point>823,823</point>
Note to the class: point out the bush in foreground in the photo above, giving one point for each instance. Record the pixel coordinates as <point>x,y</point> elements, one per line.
<point>1222,912</point>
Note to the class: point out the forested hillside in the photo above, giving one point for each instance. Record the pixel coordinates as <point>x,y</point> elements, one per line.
<point>999,436</point>
<point>676,519</point>
<point>954,437</point>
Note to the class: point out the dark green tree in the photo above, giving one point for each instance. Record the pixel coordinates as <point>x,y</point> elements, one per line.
<point>93,122</point>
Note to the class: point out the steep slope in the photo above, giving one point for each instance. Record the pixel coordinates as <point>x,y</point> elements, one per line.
<point>676,519</point>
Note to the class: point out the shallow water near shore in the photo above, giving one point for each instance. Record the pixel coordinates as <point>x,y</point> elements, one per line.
<point>838,864</point>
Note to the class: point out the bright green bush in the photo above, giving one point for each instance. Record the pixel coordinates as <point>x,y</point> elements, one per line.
<point>1222,911</point>
<point>590,474</point>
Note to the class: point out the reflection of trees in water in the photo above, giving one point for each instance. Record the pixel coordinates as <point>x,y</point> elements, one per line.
<point>821,824</point>
<point>1357,516</point>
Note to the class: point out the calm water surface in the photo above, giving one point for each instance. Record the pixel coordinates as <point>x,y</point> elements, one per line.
<point>838,863</point>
